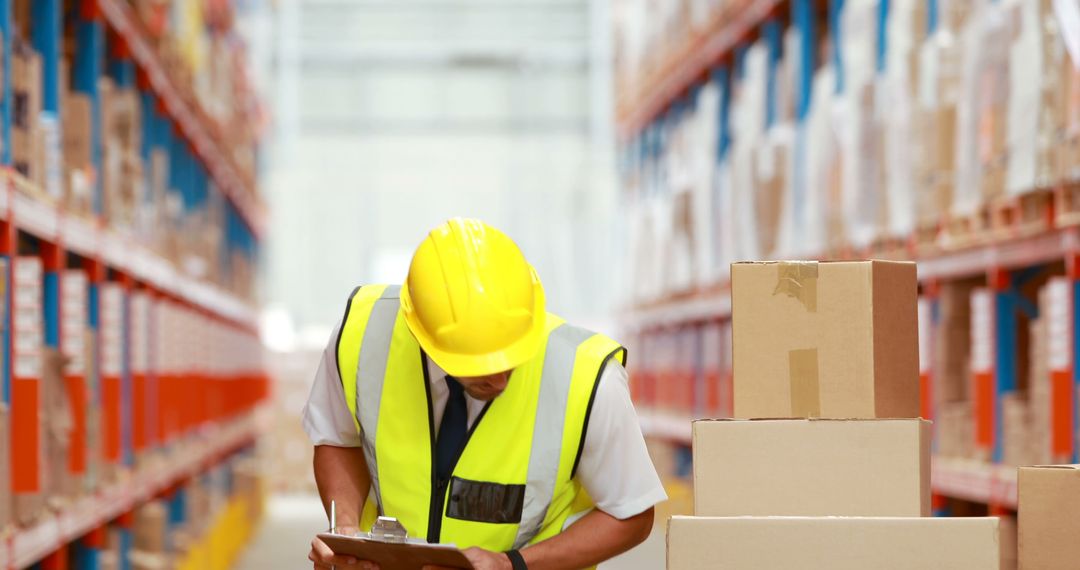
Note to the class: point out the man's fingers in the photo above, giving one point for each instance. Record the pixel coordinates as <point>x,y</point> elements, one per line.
<point>320,552</point>
<point>323,557</point>
<point>345,563</point>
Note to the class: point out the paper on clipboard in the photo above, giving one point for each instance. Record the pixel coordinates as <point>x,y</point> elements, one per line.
<point>389,547</point>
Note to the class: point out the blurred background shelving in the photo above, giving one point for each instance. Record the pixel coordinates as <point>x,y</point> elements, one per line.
<point>130,228</point>
<point>944,132</point>
<point>189,189</point>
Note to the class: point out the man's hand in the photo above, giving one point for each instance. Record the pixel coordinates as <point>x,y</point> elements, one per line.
<point>325,559</point>
<point>487,560</point>
<point>481,560</point>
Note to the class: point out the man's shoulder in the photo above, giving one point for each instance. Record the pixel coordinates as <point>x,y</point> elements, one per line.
<point>374,291</point>
<point>364,298</point>
<point>581,332</point>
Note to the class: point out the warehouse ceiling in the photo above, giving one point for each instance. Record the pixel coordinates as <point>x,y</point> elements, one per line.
<point>455,66</point>
<point>391,116</point>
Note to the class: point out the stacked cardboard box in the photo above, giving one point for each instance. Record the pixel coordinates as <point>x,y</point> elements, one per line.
<point>844,481</point>
<point>835,339</point>
<point>1049,498</point>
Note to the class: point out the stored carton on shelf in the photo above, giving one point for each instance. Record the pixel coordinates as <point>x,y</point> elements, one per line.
<point>57,423</point>
<point>6,506</point>
<point>812,467</point>
<point>833,543</point>
<point>1048,503</point>
<point>828,339</point>
<point>151,527</point>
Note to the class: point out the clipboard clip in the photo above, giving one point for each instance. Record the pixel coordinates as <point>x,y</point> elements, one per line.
<point>388,529</point>
<point>385,529</point>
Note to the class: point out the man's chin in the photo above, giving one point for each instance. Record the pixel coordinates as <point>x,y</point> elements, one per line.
<point>484,396</point>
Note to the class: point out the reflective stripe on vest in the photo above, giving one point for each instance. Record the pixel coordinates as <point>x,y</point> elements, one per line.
<point>526,443</point>
<point>547,441</point>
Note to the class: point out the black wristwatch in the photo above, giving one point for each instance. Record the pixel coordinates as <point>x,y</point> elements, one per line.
<point>517,562</point>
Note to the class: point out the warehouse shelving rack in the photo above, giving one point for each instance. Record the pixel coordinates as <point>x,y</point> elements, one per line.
<point>111,40</point>
<point>92,513</point>
<point>1003,260</point>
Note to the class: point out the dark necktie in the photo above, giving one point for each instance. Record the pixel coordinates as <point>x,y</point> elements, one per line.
<point>452,430</point>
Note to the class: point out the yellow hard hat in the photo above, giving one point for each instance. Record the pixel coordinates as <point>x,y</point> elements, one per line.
<point>472,301</point>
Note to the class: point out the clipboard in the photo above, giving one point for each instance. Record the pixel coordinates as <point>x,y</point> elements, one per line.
<point>389,546</point>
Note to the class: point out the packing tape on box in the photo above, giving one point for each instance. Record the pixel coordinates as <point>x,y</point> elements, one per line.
<point>805,388</point>
<point>798,279</point>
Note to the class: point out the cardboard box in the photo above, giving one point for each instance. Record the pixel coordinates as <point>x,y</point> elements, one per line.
<point>812,467</point>
<point>78,133</point>
<point>6,506</point>
<point>833,543</point>
<point>830,339</point>
<point>151,524</point>
<point>1049,499</point>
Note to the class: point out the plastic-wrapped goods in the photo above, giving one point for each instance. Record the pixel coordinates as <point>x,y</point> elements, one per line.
<point>748,121</point>
<point>1065,26</point>
<point>811,218</point>
<point>859,136</point>
<point>1025,96</point>
<point>644,270</point>
<point>702,148</point>
<point>787,77</point>
<point>772,167</point>
<point>980,142</point>
<point>678,258</point>
<point>722,214</point>
<point>895,93</point>
<point>966,195</point>
<point>935,124</point>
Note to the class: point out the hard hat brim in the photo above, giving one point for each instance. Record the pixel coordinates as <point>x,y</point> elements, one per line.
<point>501,360</point>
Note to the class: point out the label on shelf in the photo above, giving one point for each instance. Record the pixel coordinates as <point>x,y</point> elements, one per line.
<point>140,332</point>
<point>73,319</point>
<point>1058,313</point>
<point>28,270</point>
<point>49,124</point>
<point>111,327</point>
<point>982,330</point>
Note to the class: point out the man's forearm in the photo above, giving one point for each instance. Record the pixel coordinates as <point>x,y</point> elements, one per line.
<point>342,476</point>
<point>595,538</point>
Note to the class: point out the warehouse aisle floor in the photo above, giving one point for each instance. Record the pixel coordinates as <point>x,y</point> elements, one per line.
<point>291,520</point>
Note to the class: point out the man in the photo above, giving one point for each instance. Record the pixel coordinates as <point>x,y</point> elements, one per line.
<point>458,405</point>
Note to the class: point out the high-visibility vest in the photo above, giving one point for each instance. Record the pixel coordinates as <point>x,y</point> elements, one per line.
<point>514,483</point>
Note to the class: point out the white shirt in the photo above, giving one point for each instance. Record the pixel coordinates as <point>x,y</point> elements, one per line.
<point>615,468</point>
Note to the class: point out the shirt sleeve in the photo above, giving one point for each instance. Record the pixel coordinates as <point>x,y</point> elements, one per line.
<point>615,466</point>
<point>327,419</point>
